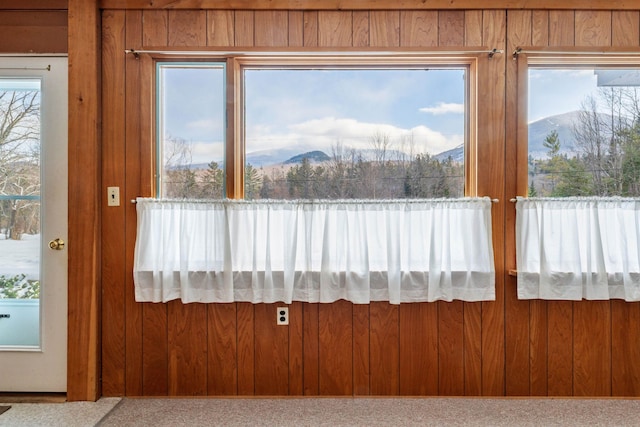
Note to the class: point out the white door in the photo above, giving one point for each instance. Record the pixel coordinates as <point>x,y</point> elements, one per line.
<point>33,224</point>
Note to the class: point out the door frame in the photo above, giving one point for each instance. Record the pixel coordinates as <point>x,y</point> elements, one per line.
<point>51,354</point>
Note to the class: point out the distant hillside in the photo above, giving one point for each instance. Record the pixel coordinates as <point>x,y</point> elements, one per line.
<point>562,123</point>
<point>538,131</point>
<point>315,156</point>
<point>271,157</point>
<point>456,154</point>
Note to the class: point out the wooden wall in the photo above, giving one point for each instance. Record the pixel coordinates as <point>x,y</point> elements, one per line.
<point>587,348</point>
<point>505,347</point>
<point>32,26</point>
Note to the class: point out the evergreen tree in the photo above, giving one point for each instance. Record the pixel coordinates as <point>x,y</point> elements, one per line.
<point>213,180</point>
<point>252,182</point>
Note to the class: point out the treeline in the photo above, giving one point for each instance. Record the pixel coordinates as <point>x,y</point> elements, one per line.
<point>341,177</point>
<point>606,158</point>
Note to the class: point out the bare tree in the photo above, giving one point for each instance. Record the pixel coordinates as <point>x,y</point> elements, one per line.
<point>19,161</point>
<point>592,142</point>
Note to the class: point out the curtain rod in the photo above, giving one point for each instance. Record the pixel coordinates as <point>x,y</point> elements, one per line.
<point>311,201</point>
<point>47,68</point>
<point>519,50</point>
<point>136,52</point>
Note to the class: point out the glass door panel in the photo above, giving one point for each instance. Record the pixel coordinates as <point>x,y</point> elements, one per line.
<point>20,212</point>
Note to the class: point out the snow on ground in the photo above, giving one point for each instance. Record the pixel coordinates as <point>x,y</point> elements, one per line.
<point>20,256</point>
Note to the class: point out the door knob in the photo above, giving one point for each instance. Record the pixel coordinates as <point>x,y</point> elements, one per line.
<point>56,244</point>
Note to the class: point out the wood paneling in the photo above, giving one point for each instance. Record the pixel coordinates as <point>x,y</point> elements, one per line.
<point>34,5</point>
<point>450,348</point>
<point>311,349</point>
<point>245,27</point>
<point>593,28</point>
<point>271,352</point>
<point>310,29</point>
<point>385,28</point>
<point>560,348</point>
<point>271,28</point>
<point>134,381</point>
<point>359,4</point>
<point>361,36</point>
<point>561,28</point>
<point>384,349</point>
<point>221,31</point>
<point>155,325</point>
<point>296,28</point>
<point>418,349</point>
<point>625,375</point>
<point>296,350</point>
<point>335,352</point>
<point>517,339</point>
<point>114,326</point>
<point>491,150</point>
<point>504,347</point>
<point>33,31</point>
<point>222,350</point>
<point>625,28</point>
<point>84,302</point>
<point>187,343</point>
<point>419,28</point>
<point>335,29</point>
<point>361,350</point>
<point>187,28</point>
<point>246,349</point>
<point>451,28</point>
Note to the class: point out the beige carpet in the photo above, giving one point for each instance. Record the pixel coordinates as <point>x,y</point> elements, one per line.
<point>374,412</point>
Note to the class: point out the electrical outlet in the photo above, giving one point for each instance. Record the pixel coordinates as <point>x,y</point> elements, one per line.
<point>113,196</point>
<point>283,316</point>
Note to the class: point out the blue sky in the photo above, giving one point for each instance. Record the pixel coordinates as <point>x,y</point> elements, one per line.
<point>314,109</point>
<point>557,91</point>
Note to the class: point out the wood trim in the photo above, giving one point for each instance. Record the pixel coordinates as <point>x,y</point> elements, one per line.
<point>368,5</point>
<point>34,5</point>
<point>83,361</point>
<point>31,31</point>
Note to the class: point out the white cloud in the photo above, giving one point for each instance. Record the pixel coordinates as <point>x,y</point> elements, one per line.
<point>324,133</point>
<point>204,125</point>
<point>205,152</point>
<point>444,108</point>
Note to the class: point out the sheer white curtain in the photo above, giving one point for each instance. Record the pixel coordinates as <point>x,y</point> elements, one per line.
<point>314,251</point>
<point>578,248</point>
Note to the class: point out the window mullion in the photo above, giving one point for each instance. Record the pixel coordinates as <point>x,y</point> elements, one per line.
<point>234,156</point>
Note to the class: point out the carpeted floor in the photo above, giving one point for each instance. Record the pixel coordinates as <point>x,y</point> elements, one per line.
<point>374,412</point>
<point>335,412</point>
<point>69,414</point>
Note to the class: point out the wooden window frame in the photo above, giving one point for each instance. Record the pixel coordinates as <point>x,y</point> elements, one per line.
<point>236,62</point>
<point>561,59</point>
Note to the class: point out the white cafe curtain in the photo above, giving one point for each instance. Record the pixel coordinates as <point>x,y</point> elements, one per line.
<point>314,251</point>
<point>578,248</point>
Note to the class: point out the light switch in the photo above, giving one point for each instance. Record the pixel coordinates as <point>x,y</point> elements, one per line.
<point>113,196</point>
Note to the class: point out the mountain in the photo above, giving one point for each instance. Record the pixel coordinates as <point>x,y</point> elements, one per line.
<point>561,123</point>
<point>315,156</point>
<point>538,131</point>
<point>271,157</point>
<point>456,154</point>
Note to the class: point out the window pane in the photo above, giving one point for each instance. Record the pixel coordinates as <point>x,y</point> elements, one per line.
<point>20,211</point>
<point>191,130</point>
<point>584,138</point>
<point>354,133</point>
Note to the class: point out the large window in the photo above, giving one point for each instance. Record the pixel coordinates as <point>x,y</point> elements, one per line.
<point>584,133</point>
<point>314,128</point>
